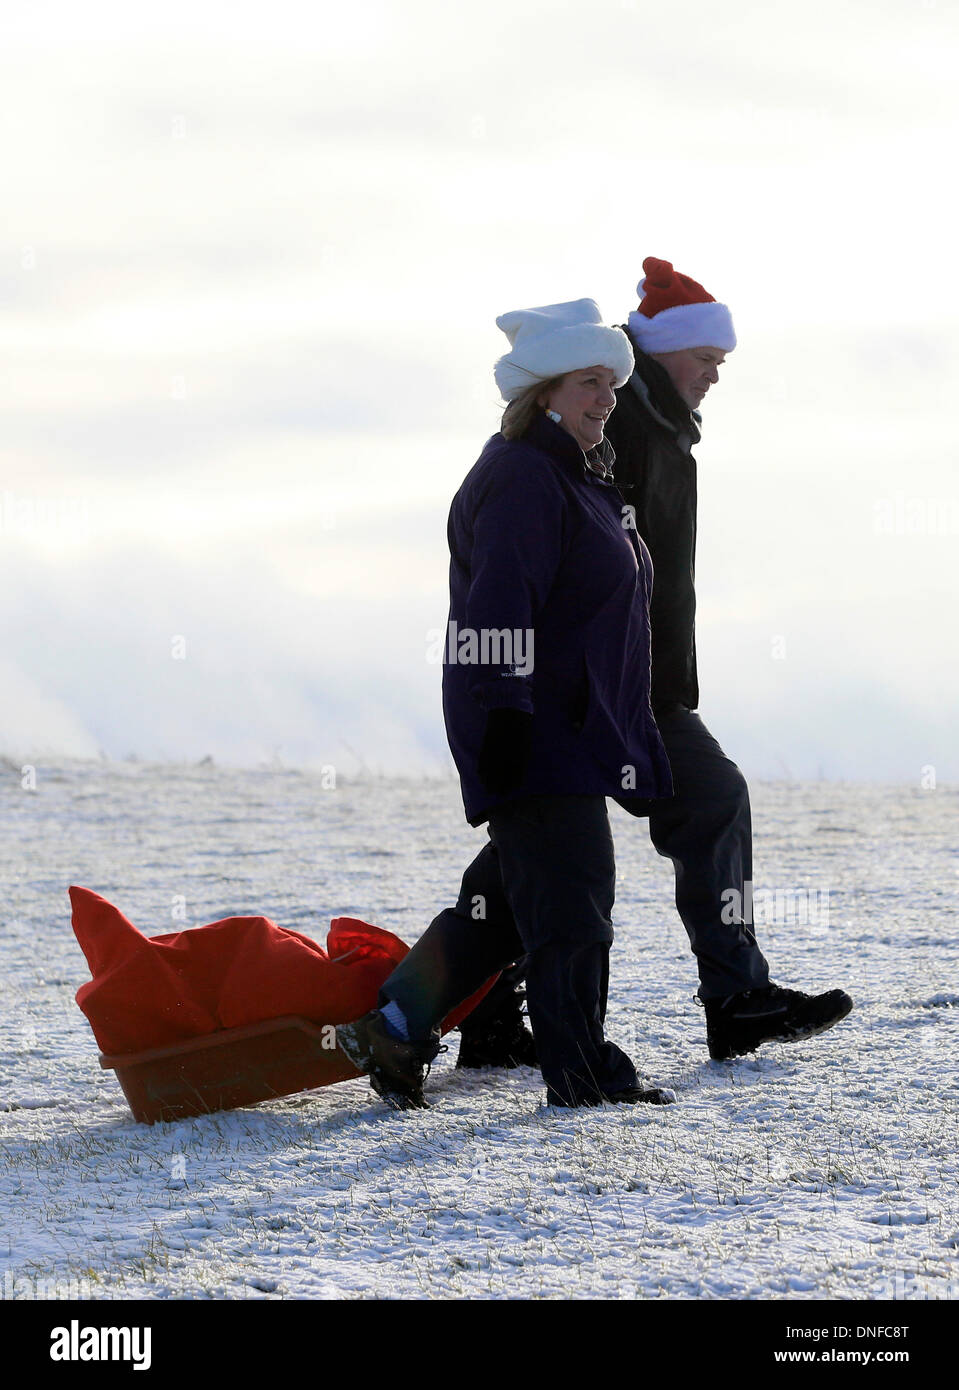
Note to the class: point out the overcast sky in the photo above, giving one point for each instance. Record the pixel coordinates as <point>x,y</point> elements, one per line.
<point>252,259</point>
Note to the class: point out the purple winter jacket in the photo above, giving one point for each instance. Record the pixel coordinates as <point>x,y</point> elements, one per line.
<point>549,613</point>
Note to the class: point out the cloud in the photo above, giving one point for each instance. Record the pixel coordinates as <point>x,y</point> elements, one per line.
<point>148,653</point>
<point>254,262</point>
<point>37,722</point>
<point>311,645</point>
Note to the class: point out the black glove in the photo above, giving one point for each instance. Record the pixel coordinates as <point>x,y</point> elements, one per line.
<point>504,756</point>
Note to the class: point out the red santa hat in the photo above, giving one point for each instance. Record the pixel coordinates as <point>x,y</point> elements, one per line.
<point>675,312</point>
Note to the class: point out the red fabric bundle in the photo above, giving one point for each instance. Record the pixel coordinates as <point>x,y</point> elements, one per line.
<point>156,991</point>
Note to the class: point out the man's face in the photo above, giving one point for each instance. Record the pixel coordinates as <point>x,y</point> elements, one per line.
<point>692,371</point>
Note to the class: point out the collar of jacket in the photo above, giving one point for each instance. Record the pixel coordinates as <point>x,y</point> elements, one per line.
<point>597,465</point>
<point>651,384</point>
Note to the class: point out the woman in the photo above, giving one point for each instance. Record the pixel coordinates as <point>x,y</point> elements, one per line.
<point>546,701</point>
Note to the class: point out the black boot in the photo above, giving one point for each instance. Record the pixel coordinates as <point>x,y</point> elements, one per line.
<point>494,1034</point>
<point>643,1095</point>
<point>396,1069</point>
<point>632,1095</point>
<point>742,1022</point>
<point>512,1046</point>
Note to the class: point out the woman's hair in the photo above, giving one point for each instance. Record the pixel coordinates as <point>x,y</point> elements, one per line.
<point>518,415</point>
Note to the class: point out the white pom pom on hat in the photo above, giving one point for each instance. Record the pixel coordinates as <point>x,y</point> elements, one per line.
<point>676,312</point>
<point>555,339</point>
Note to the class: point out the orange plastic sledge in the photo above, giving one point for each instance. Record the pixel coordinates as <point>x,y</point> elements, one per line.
<point>236,1066</point>
<point>231,1013</point>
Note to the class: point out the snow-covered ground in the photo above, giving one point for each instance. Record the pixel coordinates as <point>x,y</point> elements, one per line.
<point>824,1170</point>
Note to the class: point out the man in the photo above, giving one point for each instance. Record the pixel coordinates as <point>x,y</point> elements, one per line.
<point>680,337</point>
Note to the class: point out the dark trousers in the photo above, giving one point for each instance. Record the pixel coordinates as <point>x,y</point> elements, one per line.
<point>705,828</point>
<point>543,888</point>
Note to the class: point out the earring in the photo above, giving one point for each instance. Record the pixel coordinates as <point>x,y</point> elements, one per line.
<point>554,416</point>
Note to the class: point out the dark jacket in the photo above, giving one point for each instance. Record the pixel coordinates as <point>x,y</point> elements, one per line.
<point>537,543</point>
<point>652,431</point>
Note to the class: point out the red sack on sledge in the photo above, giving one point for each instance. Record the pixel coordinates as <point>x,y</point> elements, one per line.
<point>155,991</point>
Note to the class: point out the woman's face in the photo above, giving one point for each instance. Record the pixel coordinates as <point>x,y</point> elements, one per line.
<point>585,400</point>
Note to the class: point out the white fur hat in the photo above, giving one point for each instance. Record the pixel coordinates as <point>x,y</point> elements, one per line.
<point>555,339</point>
